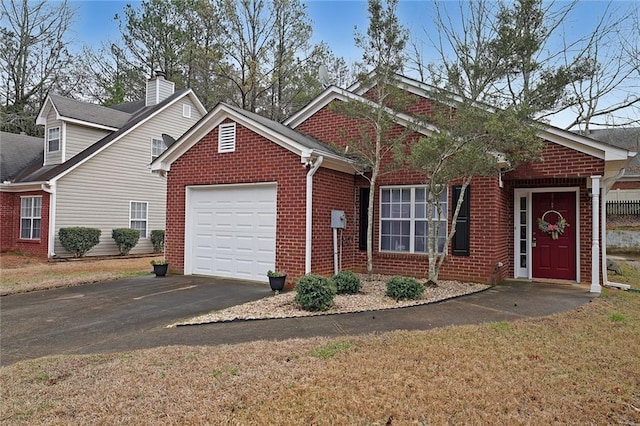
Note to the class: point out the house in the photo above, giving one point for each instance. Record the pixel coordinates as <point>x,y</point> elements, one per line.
<point>246,194</point>
<point>94,170</point>
<point>627,187</point>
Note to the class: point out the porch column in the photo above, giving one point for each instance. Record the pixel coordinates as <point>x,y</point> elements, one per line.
<point>595,235</point>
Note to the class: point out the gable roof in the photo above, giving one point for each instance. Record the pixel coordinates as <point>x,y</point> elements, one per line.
<point>48,173</point>
<point>83,112</point>
<point>17,152</point>
<point>296,142</point>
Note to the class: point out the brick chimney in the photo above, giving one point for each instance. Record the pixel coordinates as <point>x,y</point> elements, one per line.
<point>158,88</point>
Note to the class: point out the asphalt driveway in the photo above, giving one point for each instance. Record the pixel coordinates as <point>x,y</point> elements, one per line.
<point>132,314</point>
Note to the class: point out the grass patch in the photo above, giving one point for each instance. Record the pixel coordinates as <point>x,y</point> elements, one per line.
<point>330,350</point>
<point>559,369</point>
<point>630,273</point>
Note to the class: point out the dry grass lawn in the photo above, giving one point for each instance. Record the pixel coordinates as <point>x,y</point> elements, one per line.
<point>21,273</point>
<point>579,367</point>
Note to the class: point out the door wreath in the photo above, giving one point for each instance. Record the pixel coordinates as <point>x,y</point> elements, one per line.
<point>553,229</point>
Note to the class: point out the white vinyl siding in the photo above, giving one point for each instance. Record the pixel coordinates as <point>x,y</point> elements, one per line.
<point>138,217</point>
<point>403,219</point>
<point>53,139</point>
<point>157,147</point>
<point>30,217</point>
<point>97,193</point>
<point>77,138</point>
<point>227,137</point>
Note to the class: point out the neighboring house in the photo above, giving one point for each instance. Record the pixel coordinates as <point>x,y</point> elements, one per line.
<point>627,187</point>
<point>246,194</point>
<point>94,170</point>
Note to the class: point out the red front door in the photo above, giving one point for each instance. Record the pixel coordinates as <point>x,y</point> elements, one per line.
<point>554,252</point>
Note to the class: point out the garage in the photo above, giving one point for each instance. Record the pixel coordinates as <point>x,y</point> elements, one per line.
<point>230,230</point>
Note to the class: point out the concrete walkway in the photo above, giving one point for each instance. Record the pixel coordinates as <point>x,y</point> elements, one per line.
<point>132,314</point>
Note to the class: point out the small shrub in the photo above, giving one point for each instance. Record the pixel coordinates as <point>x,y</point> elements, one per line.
<point>347,282</point>
<point>125,238</point>
<point>404,288</point>
<point>157,240</point>
<point>315,293</point>
<point>79,240</point>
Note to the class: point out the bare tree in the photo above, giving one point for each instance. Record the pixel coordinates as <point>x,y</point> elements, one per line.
<point>34,58</point>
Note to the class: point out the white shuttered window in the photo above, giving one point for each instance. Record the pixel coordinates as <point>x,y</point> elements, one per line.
<point>138,217</point>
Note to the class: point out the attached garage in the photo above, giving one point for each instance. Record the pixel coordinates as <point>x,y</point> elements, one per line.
<point>230,230</point>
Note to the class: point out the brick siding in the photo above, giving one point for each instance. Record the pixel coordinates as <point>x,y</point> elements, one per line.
<point>10,224</point>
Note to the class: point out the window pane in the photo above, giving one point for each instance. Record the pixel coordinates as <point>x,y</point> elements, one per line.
<point>25,204</point>
<point>421,195</point>
<point>25,228</point>
<point>421,211</point>
<point>36,229</point>
<point>395,195</point>
<point>386,211</point>
<point>386,195</point>
<point>37,207</point>
<point>406,195</point>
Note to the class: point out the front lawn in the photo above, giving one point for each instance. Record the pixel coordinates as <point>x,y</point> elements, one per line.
<point>579,367</point>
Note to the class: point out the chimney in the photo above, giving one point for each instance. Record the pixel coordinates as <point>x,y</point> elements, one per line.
<point>158,89</point>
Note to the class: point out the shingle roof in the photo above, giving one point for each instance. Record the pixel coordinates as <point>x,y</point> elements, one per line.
<point>17,152</point>
<point>48,172</point>
<point>302,139</point>
<point>623,137</point>
<point>88,112</point>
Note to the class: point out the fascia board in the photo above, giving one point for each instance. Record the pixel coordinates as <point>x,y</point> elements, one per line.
<point>85,123</point>
<point>196,101</point>
<point>135,127</point>
<point>42,115</point>
<point>585,145</point>
<point>21,187</point>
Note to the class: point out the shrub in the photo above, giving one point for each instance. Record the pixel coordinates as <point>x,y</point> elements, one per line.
<point>315,293</point>
<point>347,282</point>
<point>404,288</point>
<point>125,238</point>
<point>79,240</point>
<point>157,240</point>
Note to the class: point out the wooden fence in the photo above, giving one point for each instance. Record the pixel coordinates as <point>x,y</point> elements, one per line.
<point>623,208</point>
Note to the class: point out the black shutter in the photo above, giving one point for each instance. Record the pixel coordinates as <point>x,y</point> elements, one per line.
<point>460,243</point>
<point>364,218</point>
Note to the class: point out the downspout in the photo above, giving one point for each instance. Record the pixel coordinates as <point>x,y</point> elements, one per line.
<point>50,188</point>
<point>309,222</point>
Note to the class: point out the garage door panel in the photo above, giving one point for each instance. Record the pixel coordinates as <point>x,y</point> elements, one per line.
<point>233,231</point>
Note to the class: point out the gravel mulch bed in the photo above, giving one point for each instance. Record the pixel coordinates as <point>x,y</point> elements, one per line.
<point>371,297</point>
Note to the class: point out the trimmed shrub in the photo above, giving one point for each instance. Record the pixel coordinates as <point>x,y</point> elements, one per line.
<point>404,288</point>
<point>79,240</point>
<point>157,240</point>
<point>125,238</point>
<point>315,293</point>
<point>347,282</point>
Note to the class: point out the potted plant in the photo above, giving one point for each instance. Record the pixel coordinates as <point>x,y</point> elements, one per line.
<point>160,267</point>
<point>276,280</point>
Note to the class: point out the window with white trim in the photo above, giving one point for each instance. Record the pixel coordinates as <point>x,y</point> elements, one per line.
<point>186,110</point>
<point>138,217</point>
<point>157,148</point>
<point>227,137</point>
<point>53,139</point>
<point>30,217</point>
<point>403,219</point>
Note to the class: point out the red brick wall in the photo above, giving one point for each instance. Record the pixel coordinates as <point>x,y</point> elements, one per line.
<point>10,224</point>
<point>256,159</point>
<point>559,162</point>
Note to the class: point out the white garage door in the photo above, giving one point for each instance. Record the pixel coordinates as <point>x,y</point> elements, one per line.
<point>231,231</point>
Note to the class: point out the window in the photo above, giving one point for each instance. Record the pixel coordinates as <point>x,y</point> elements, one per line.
<point>227,137</point>
<point>30,217</point>
<point>186,110</point>
<point>138,217</point>
<point>157,148</point>
<point>403,220</point>
<point>460,245</point>
<point>53,139</point>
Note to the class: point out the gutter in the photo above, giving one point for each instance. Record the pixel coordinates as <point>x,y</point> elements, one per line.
<point>314,166</point>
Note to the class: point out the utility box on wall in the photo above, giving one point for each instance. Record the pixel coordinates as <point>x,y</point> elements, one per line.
<point>338,219</point>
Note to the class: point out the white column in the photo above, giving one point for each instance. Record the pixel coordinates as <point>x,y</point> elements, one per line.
<point>309,213</point>
<point>595,235</point>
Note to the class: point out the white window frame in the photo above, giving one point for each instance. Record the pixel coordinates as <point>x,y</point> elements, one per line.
<point>227,137</point>
<point>137,219</point>
<point>395,214</point>
<point>186,110</point>
<point>49,139</point>
<point>33,214</point>
<point>153,146</point>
